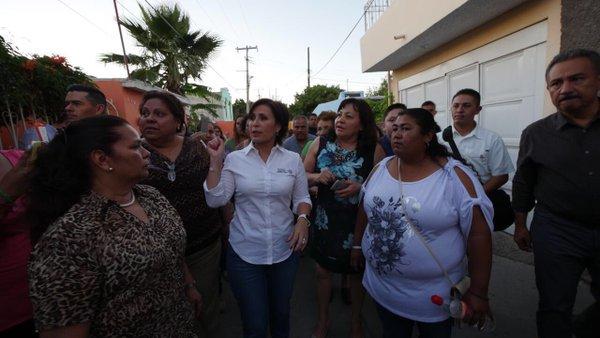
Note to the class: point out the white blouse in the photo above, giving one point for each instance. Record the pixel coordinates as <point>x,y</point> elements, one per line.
<point>400,274</point>
<point>264,193</point>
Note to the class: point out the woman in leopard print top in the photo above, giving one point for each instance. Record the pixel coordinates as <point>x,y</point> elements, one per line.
<point>110,263</point>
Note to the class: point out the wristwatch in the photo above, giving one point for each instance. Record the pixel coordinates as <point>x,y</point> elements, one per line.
<point>305,218</point>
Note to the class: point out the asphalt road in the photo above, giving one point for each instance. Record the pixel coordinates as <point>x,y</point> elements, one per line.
<point>513,298</point>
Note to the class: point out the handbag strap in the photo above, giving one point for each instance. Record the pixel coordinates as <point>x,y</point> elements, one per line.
<point>447,136</point>
<point>417,232</point>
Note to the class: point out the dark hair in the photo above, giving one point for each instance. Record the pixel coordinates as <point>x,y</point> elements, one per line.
<point>428,125</point>
<point>591,55</point>
<point>62,172</point>
<point>313,114</point>
<point>300,117</point>
<point>175,106</point>
<point>393,106</point>
<point>470,92</point>
<point>327,116</point>
<point>280,113</point>
<point>237,136</point>
<point>93,94</point>
<point>427,103</point>
<point>216,126</point>
<point>367,138</point>
<point>244,124</point>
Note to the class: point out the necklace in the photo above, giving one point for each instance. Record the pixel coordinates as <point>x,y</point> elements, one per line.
<point>130,203</point>
<point>171,175</point>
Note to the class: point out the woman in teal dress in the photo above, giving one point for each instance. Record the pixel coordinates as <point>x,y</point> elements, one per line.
<point>338,165</point>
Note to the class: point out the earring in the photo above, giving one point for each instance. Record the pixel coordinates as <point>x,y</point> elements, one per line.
<point>110,169</point>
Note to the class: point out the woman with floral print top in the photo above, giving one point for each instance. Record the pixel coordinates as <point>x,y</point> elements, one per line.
<point>108,261</point>
<point>440,199</point>
<point>346,157</point>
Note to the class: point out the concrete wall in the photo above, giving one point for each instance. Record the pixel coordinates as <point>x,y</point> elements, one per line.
<point>580,27</point>
<point>125,100</point>
<point>512,21</point>
<point>406,17</point>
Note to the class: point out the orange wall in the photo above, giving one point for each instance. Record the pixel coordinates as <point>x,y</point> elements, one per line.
<point>226,127</point>
<point>125,100</point>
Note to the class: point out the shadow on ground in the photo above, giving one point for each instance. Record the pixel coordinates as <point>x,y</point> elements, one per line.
<point>513,298</point>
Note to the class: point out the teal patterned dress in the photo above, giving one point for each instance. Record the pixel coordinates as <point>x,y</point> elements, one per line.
<point>333,218</point>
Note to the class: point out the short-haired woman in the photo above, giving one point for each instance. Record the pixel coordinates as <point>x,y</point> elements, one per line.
<point>423,208</point>
<point>262,258</point>
<point>178,167</point>
<point>109,258</point>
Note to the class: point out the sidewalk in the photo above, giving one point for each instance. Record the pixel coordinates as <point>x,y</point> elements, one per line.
<point>513,297</point>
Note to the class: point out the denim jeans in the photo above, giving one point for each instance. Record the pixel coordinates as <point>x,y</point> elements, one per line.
<point>395,326</point>
<point>263,294</point>
<point>562,250</point>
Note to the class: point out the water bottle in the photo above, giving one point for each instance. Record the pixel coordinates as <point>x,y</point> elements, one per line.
<point>458,309</point>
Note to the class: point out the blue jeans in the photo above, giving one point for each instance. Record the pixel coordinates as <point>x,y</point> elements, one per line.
<point>263,294</point>
<point>395,326</point>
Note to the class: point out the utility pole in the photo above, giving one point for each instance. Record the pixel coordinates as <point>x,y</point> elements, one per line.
<point>121,35</point>
<point>389,88</point>
<point>308,59</point>
<point>247,48</point>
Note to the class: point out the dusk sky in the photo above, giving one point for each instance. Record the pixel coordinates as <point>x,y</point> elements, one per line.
<point>281,29</point>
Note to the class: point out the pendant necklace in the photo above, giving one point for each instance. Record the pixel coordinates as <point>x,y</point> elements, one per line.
<point>171,173</point>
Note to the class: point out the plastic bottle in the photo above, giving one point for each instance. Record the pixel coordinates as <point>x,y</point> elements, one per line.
<point>458,309</point>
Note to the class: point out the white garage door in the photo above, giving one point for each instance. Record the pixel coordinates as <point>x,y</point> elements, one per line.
<point>509,74</point>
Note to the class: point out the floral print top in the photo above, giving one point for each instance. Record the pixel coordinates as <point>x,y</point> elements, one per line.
<point>400,273</point>
<point>334,217</point>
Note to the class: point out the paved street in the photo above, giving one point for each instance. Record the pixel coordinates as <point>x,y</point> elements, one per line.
<point>512,292</point>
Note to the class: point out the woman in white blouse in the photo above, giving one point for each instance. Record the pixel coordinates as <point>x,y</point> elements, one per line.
<point>438,201</point>
<point>264,179</point>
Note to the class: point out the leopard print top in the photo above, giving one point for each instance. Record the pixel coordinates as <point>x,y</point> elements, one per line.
<point>101,265</point>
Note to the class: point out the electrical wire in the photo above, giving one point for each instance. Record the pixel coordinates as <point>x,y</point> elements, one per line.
<point>84,17</point>
<point>346,38</point>
<point>178,35</point>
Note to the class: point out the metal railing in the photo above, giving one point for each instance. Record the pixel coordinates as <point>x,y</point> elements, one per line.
<point>373,10</point>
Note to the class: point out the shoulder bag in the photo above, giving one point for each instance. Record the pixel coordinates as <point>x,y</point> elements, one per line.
<point>504,215</point>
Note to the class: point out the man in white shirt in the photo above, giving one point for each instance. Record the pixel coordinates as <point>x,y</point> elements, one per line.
<point>480,147</point>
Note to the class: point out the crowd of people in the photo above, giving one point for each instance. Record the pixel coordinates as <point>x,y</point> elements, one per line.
<point>117,230</point>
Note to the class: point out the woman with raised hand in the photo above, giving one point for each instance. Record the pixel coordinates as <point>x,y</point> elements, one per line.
<point>424,213</point>
<point>262,258</point>
<point>109,253</point>
<point>178,167</point>
<point>338,165</point>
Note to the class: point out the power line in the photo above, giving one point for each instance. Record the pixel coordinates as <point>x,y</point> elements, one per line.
<point>84,17</point>
<point>346,39</point>
<point>178,35</point>
<point>245,21</point>
<point>228,21</point>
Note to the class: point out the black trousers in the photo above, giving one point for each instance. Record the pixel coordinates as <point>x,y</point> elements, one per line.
<point>562,250</point>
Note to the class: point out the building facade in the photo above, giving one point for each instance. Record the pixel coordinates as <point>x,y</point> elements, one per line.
<point>499,47</point>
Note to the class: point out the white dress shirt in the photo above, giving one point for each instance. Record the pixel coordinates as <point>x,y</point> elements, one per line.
<point>484,150</point>
<point>264,192</point>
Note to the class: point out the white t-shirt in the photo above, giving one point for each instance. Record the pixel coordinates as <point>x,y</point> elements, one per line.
<point>484,150</point>
<point>400,274</point>
<point>264,192</point>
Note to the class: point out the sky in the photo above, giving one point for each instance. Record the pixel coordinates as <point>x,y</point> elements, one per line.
<point>282,30</point>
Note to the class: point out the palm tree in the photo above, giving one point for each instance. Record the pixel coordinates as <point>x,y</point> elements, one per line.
<point>172,54</point>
